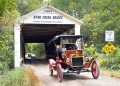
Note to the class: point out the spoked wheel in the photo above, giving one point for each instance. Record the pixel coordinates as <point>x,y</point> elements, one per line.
<point>59,72</point>
<point>50,70</point>
<point>95,69</point>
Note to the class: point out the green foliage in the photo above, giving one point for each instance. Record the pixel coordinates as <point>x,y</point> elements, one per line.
<point>7,40</point>
<point>23,76</point>
<point>7,51</point>
<point>9,18</point>
<point>63,5</point>
<point>91,51</point>
<point>7,5</point>
<point>2,43</point>
<point>3,67</point>
<point>26,6</point>
<point>104,15</point>
<point>36,48</point>
<point>109,61</point>
<point>98,16</point>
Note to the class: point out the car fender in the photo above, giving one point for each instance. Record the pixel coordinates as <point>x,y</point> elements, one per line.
<point>87,65</point>
<point>52,63</point>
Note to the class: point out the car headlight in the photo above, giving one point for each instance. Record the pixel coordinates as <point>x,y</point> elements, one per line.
<point>86,59</point>
<point>68,61</point>
<point>63,55</point>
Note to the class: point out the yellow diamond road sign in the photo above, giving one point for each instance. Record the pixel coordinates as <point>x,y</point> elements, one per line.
<point>109,48</point>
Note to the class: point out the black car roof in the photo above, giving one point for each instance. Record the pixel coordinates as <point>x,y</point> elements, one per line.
<point>56,38</point>
<point>64,36</point>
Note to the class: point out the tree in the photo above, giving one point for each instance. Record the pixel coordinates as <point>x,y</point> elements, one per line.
<point>7,5</point>
<point>26,6</point>
<point>104,15</point>
<point>8,15</point>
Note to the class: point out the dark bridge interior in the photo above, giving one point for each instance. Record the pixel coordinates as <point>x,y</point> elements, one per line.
<point>41,33</point>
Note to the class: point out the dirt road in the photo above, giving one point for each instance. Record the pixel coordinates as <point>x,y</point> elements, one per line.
<point>83,79</point>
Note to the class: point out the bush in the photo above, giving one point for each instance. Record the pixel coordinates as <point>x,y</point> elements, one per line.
<point>112,61</point>
<point>91,51</point>
<point>3,67</point>
<point>109,61</point>
<point>23,76</point>
<point>7,39</point>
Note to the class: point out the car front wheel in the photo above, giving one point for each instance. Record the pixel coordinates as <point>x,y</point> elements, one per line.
<point>59,72</point>
<point>50,70</point>
<point>95,69</point>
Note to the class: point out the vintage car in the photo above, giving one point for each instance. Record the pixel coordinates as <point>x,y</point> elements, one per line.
<point>71,58</point>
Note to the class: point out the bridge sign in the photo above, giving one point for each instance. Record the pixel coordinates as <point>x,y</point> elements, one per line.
<point>109,48</point>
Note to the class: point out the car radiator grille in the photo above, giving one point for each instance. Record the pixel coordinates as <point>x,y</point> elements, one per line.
<point>77,61</point>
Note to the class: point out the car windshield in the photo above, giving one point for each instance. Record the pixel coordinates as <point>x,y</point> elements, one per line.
<point>72,43</point>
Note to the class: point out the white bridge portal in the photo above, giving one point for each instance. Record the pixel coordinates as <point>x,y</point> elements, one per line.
<point>40,26</point>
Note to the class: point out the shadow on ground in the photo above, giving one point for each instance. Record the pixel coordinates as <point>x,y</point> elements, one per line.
<point>68,77</point>
<point>36,61</point>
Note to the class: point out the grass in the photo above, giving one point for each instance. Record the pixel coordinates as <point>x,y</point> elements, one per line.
<point>23,76</point>
<point>107,68</point>
<point>111,73</point>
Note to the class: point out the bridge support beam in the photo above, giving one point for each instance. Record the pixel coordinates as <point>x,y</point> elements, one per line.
<point>17,59</point>
<point>77,29</point>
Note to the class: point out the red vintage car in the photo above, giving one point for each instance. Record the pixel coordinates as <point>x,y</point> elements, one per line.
<point>71,58</point>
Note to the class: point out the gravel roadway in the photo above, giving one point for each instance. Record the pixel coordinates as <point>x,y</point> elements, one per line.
<point>83,79</point>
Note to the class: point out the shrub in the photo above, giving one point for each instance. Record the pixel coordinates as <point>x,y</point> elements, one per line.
<point>91,51</point>
<point>3,67</point>
<point>112,60</point>
<point>109,61</point>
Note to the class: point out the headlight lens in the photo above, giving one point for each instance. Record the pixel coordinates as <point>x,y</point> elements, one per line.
<point>63,55</point>
<point>86,59</point>
<point>68,61</point>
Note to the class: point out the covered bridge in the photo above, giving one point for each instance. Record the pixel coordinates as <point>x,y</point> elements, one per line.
<point>40,26</point>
